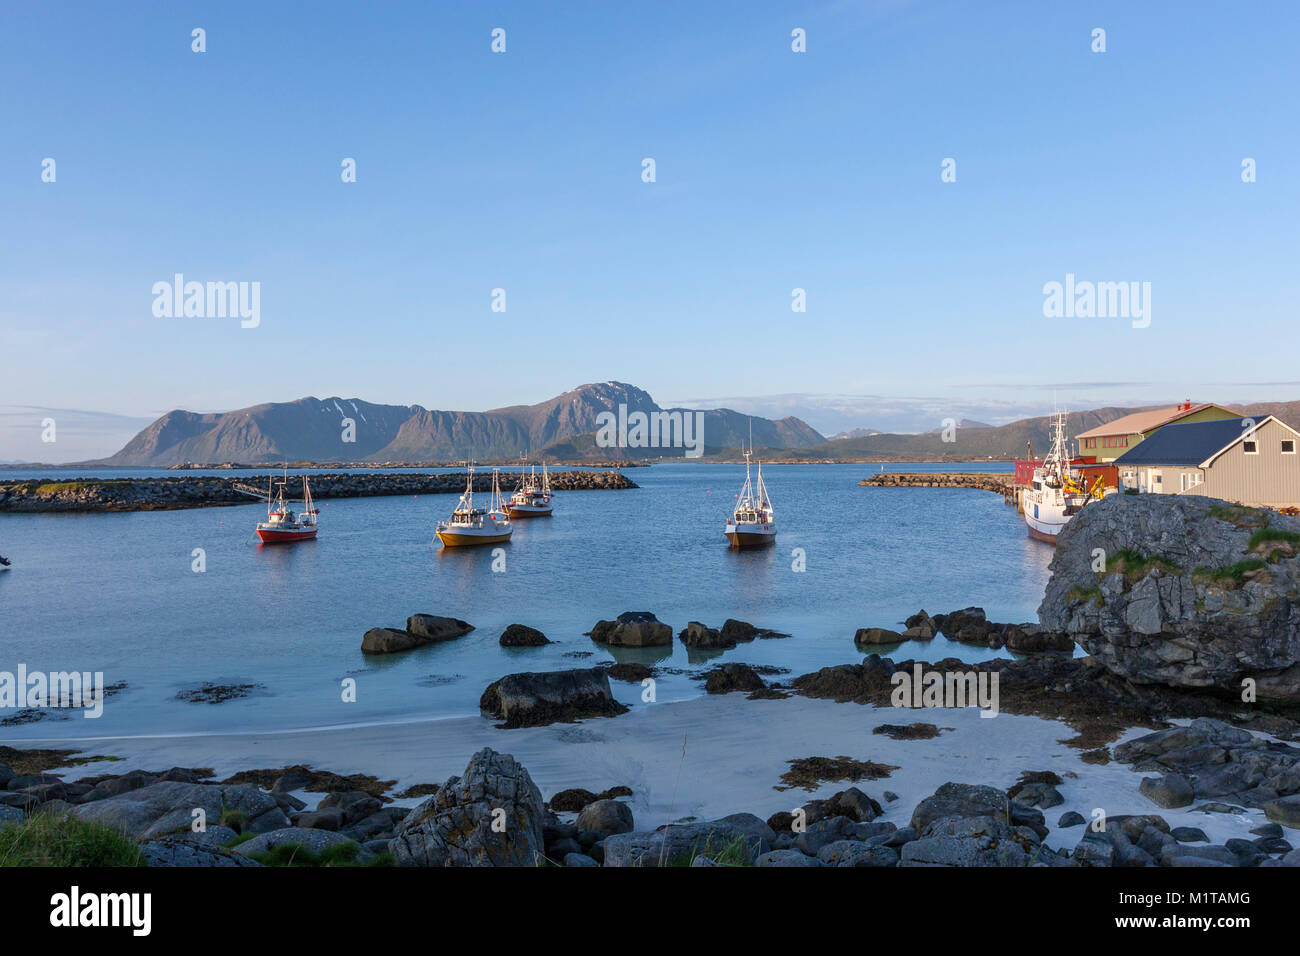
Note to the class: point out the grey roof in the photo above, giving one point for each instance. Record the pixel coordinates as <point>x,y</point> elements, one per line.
<point>1186,444</point>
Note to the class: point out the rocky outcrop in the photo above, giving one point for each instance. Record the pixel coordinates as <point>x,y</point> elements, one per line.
<point>168,808</point>
<point>521,635</point>
<point>421,630</point>
<point>310,840</point>
<point>455,827</point>
<point>432,629</point>
<point>535,699</point>
<point>171,851</point>
<point>699,636</point>
<point>1212,760</point>
<point>1184,591</point>
<point>606,817</point>
<point>732,632</point>
<point>876,635</point>
<point>742,836</point>
<point>971,626</point>
<point>632,629</point>
<point>726,678</point>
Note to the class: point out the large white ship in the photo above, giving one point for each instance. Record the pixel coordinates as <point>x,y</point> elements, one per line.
<point>1055,493</point>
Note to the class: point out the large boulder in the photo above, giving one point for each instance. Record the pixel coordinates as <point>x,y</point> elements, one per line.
<point>633,629</point>
<point>455,827</point>
<point>535,699</point>
<point>421,630</point>
<point>433,629</point>
<point>697,635</point>
<point>742,834</point>
<point>961,800</point>
<point>388,640</point>
<point>606,817</point>
<point>170,851</point>
<point>733,676</point>
<point>962,841</point>
<point>1194,592</point>
<point>521,635</point>
<point>313,841</point>
<point>877,635</point>
<point>168,807</point>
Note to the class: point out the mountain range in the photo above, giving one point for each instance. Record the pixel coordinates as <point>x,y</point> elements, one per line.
<point>311,429</point>
<point>560,429</point>
<point>975,440</point>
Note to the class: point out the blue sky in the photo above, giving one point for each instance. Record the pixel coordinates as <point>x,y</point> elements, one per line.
<point>522,171</point>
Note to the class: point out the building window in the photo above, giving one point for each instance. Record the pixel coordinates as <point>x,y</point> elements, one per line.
<point>1288,446</point>
<point>1250,447</point>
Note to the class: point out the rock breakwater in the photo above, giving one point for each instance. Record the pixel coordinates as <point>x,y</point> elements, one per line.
<point>163,494</point>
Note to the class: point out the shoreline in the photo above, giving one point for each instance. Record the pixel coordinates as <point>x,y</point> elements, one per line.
<point>703,758</point>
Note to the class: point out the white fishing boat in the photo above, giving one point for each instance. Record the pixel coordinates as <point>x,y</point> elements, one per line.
<point>469,526</point>
<point>1055,493</point>
<point>533,499</point>
<point>752,523</point>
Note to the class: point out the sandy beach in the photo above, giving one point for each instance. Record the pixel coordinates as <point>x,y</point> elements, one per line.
<point>702,758</point>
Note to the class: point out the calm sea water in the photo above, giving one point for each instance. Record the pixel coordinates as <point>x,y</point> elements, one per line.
<point>116,592</point>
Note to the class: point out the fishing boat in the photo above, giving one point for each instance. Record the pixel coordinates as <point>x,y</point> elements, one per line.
<point>1055,493</point>
<point>282,524</point>
<point>5,563</point>
<point>533,498</point>
<point>469,526</point>
<point>752,524</point>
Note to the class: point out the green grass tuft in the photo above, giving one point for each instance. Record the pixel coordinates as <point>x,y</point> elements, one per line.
<point>1135,564</point>
<point>1230,577</point>
<point>1271,534</point>
<point>59,839</point>
<point>1239,515</point>
<point>295,854</point>
<point>1079,594</point>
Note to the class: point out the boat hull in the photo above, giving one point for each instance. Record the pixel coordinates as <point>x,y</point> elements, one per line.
<point>272,536</point>
<point>459,539</point>
<point>528,511</point>
<point>1044,527</point>
<point>742,538</point>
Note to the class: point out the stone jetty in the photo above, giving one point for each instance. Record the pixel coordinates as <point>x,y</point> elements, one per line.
<point>163,494</point>
<point>1002,484</point>
<point>941,479</point>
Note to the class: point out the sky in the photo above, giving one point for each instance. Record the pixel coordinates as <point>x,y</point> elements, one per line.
<point>523,170</point>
